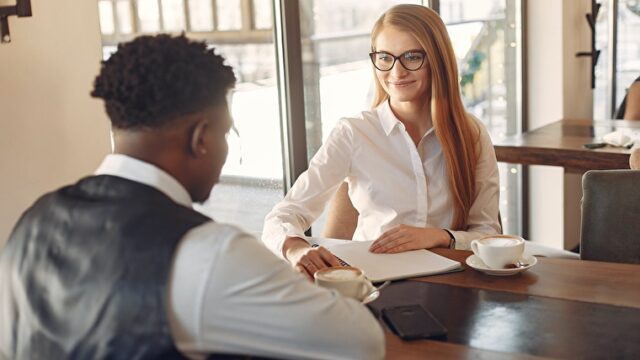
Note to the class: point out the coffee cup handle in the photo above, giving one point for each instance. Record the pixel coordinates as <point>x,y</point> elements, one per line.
<point>474,247</point>
<point>365,287</point>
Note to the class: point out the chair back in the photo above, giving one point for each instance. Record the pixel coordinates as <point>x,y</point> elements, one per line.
<point>611,216</point>
<point>342,217</point>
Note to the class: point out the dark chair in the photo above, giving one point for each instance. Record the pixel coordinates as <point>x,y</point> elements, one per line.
<point>611,216</point>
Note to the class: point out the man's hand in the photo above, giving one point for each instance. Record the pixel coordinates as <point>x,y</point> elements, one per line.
<point>404,238</point>
<point>306,259</point>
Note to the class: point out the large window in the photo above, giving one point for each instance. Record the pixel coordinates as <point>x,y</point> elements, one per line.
<point>486,39</point>
<point>334,44</point>
<point>617,30</point>
<point>241,30</point>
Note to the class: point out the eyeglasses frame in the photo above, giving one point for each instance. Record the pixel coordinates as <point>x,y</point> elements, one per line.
<point>398,58</point>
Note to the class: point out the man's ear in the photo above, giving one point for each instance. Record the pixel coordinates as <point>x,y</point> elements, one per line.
<point>198,141</point>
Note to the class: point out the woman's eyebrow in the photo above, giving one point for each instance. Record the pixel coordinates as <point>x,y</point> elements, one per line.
<point>406,51</point>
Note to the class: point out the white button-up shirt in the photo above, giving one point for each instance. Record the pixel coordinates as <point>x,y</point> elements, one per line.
<point>227,293</point>
<point>391,182</point>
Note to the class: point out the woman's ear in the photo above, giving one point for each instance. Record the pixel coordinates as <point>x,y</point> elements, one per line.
<point>198,143</point>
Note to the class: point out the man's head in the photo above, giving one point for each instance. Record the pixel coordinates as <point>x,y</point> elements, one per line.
<point>166,98</point>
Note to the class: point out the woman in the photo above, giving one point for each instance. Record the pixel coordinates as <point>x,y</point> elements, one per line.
<point>422,173</point>
<point>630,107</point>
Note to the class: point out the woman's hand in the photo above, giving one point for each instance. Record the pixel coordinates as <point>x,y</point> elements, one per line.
<point>404,238</point>
<point>307,259</point>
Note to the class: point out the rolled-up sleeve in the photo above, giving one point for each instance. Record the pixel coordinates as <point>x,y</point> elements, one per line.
<point>312,190</point>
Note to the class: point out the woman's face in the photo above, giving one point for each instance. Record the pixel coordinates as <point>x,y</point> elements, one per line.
<point>399,83</point>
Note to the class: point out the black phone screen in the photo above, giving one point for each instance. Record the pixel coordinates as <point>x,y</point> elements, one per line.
<point>411,322</point>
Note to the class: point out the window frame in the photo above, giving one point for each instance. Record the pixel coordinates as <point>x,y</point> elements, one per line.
<point>247,32</point>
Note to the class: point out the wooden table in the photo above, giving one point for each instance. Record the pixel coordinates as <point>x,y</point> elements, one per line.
<point>561,144</point>
<point>560,308</point>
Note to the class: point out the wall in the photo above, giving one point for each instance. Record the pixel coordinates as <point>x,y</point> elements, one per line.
<point>51,131</point>
<point>559,87</point>
<point>577,103</point>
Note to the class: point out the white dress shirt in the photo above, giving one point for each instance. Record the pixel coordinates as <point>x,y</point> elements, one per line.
<point>229,294</point>
<point>391,182</point>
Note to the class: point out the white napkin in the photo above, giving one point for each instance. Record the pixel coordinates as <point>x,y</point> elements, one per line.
<point>617,138</point>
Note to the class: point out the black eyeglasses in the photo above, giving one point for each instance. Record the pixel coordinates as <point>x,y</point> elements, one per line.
<point>411,60</point>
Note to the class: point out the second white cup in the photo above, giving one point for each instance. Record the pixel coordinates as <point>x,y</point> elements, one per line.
<point>498,251</point>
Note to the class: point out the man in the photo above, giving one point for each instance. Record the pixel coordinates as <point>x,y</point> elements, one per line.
<point>119,265</point>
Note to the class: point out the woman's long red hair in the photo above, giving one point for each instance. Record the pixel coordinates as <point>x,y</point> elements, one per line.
<point>458,133</point>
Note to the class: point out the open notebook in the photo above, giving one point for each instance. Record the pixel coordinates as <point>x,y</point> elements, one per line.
<point>382,267</point>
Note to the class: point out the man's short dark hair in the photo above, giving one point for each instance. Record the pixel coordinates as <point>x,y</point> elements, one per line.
<point>153,79</point>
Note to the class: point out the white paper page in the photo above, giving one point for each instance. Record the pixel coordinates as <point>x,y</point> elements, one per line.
<point>380,267</point>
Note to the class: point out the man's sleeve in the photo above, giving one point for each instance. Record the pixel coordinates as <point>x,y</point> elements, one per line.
<point>254,303</point>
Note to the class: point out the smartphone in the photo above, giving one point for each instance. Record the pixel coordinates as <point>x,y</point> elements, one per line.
<point>412,322</point>
<point>595,145</point>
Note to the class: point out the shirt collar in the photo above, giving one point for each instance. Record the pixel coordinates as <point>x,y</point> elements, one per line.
<point>145,173</point>
<point>389,120</point>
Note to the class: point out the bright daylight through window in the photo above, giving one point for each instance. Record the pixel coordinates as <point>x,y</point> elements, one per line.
<point>337,79</point>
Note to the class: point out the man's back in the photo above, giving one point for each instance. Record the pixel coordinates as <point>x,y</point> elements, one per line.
<point>87,262</point>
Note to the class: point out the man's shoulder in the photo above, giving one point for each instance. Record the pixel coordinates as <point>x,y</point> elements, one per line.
<point>214,227</point>
<point>217,234</point>
<point>223,246</point>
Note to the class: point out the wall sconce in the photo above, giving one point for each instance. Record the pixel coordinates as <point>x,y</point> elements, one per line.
<point>20,8</point>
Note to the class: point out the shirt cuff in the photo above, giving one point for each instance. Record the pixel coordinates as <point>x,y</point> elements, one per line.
<point>464,238</point>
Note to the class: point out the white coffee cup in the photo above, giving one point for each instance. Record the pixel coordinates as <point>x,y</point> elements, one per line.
<point>498,251</point>
<point>348,280</point>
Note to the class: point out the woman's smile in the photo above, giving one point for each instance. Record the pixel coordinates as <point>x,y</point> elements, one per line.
<point>401,83</point>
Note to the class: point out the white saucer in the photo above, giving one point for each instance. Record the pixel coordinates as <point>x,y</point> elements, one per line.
<point>374,292</point>
<point>476,263</point>
<point>371,297</point>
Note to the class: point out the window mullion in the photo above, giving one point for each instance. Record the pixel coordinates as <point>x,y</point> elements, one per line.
<point>187,16</point>
<point>291,89</point>
<point>214,8</point>
<point>247,16</point>
<point>612,66</point>
<point>435,5</point>
<point>160,15</point>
